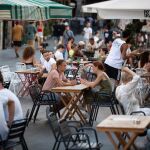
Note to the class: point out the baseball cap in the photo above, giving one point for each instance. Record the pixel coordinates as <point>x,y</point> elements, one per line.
<point>66,24</point>
<point>81,43</point>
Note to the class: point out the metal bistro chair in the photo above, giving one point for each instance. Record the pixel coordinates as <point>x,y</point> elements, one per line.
<point>5,70</point>
<point>71,73</point>
<point>75,139</point>
<point>85,139</point>
<point>61,129</point>
<point>39,98</point>
<point>122,111</point>
<point>88,54</point>
<point>98,102</point>
<point>16,134</point>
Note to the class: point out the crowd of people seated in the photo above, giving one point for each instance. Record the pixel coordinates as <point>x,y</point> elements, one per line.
<point>109,69</point>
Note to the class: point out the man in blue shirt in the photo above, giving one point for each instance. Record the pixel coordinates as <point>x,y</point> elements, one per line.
<point>30,34</point>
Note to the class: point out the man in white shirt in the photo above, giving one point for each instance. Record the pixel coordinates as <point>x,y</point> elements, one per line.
<point>8,101</point>
<point>116,56</point>
<point>125,92</point>
<point>87,32</point>
<point>3,123</point>
<point>59,53</point>
<point>49,62</point>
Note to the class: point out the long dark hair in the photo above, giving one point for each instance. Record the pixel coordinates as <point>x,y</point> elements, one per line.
<point>144,58</point>
<point>28,52</point>
<point>99,64</point>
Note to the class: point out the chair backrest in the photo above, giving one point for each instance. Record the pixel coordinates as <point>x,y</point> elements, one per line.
<point>34,91</point>
<point>121,108</point>
<point>103,98</point>
<point>58,127</point>
<point>54,124</point>
<point>89,54</point>
<point>17,129</point>
<point>27,114</point>
<point>20,66</point>
<point>6,73</point>
<point>132,113</point>
<point>5,68</point>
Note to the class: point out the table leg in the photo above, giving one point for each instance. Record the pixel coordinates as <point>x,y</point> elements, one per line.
<point>128,136</point>
<point>74,108</point>
<point>112,140</point>
<point>23,83</point>
<point>120,138</point>
<point>131,140</point>
<point>66,108</point>
<point>27,83</point>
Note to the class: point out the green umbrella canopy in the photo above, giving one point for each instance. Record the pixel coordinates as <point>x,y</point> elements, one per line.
<point>33,10</point>
<point>53,9</point>
<point>19,10</point>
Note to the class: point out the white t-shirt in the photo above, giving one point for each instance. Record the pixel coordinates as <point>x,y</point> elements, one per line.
<point>125,93</point>
<point>96,38</point>
<point>58,55</point>
<point>48,64</point>
<point>11,96</point>
<point>3,124</point>
<point>114,58</point>
<point>87,33</point>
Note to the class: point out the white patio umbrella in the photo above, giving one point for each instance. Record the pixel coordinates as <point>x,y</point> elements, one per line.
<point>120,9</point>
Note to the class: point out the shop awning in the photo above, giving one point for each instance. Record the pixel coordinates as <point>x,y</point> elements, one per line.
<point>120,9</point>
<point>33,10</point>
<point>52,9</point>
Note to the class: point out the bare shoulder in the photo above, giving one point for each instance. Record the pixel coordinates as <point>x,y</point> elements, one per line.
<point>124,47</point>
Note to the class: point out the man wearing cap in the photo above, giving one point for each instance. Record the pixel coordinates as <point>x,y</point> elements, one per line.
<point>66,35</point>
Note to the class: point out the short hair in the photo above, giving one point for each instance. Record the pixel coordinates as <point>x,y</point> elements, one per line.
<point>17,22</point>
<point>60,62</point>
<point>60,46</point>
<point>45,51</point>
<point>125,77</point>
<point>126,33</point>
<point>91,39</point>
<point>1,78</point>
<point>99,65</point>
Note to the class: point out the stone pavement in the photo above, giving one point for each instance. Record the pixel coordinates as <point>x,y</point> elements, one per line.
<point>38,135</point>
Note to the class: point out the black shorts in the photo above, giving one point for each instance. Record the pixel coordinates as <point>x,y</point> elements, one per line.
<point>17,43</point>
<point>112,72</point>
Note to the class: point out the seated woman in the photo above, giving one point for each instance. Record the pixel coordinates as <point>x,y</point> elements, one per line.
<point>145,61</point>
<point>101,84</point>
<point>29,57</point>
<point>125,93</point>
